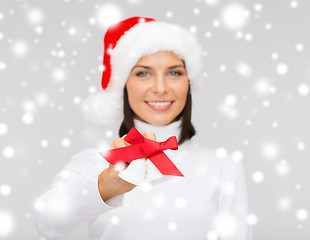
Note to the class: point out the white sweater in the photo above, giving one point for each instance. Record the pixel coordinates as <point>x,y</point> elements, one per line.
<point>210,202</point>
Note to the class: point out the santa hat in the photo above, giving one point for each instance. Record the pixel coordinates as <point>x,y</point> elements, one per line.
<point>124,44</point>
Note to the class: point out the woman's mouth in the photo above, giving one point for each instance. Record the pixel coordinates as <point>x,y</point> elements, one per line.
<point>159,105</point>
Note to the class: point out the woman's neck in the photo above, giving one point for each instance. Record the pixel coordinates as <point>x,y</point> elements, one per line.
<point>161,132</point>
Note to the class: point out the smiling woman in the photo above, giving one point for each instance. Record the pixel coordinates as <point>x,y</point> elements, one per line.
<point>157,88</point>
<point>162,76</point>
<point>150,67</point>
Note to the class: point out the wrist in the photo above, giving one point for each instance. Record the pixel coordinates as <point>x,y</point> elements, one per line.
<point>105,187</point>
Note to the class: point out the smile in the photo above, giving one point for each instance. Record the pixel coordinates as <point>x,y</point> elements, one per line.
<point>160,105</point>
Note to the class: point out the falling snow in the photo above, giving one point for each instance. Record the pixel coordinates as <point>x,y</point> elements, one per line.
<point>252,107</point>
<point>282,69</point>
<point>262,87</point>
<point>66,142</point>
<point>35,16</point>
<point>59,74</point>
<point>299,47</point>
<point>230,223</point>
<point>270,150</point>
<point>108,14</point>
<point>258,177</point>
<point>115,220</point>
<point>221,152</point>
<point>27,118</point>
<point>180,202</point>
<point>2,65</point>
<point>169,14</point>
<point>234,16</point>
<point>212,3</point>
<point>7,223</point>
<point>302,214</point>
<point>231,100</point>
<point>284,203</point>
<point>3,128</point>
<point>8,152</point>
<point>20,49</point>
<point>5,190</point>
<point>258,7</point>
<point>237,156</point>
<point>172,226</point>
<point>282,168</point>
<point>44,143</point>
<point>294,4</point>
<point>303,89</point>
<point>252,219</point>
<point>243,69</point>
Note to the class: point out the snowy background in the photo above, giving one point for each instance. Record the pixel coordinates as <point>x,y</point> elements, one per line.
<point>254,104</point>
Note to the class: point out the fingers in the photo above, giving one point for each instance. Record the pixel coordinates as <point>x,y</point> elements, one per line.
<point>126,143</point>
<point>151,135</point>
<point>119,142</point>
<point>143,133</point>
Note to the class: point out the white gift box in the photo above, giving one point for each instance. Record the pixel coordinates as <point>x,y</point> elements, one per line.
<point>142,170</point>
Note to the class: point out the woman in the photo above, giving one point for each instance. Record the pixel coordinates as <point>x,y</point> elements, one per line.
<point>151,67</point>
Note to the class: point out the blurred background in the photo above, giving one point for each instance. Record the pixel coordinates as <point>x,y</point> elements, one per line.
<point>253,105</point>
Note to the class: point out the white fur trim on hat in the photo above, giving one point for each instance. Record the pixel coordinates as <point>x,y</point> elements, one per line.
<point>141,40</point>
<point>104,107</point>
<point>152,37</point>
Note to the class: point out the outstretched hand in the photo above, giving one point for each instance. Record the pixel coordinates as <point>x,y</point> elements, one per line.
<point>109,183</point>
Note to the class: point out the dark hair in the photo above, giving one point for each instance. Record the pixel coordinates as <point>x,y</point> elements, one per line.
<point>187,128</point>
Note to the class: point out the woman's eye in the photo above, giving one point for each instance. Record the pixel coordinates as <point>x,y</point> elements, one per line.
<point>176,73</point>
<point>142,74</point>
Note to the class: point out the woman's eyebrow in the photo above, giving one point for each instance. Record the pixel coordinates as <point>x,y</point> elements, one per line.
<point>176,66</point>
<point>147,67</point>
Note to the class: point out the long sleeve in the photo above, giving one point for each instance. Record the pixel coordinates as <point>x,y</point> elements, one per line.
<point>73,197</point>
<point>231,222</point>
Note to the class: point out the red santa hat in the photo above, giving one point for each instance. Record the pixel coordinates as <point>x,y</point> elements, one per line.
<point>124,44</point>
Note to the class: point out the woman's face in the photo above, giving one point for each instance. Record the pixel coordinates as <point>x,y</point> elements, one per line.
<point>157,88</point>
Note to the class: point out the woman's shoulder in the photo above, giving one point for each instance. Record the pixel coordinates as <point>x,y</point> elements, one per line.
<point>87,159</point>
<point>216,157</point>
<point>87,153</point>
<point>194,148</point>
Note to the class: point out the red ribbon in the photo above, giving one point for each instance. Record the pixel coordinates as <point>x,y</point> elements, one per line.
<point>142,147</point>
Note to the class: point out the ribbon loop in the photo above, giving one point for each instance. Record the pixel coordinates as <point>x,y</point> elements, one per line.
<point>170,143</point>
<point>134,137</point>
<point>142,147</point>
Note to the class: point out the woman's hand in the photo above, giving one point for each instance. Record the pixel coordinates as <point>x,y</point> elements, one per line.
<point>109,183</point>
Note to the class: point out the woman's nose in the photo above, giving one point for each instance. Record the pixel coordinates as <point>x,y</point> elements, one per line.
<point>160,85</point>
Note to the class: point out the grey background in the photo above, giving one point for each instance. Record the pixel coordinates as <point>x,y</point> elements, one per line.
<point>267,123</point>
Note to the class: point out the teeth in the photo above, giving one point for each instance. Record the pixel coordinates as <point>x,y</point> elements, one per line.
<point>159,104</point>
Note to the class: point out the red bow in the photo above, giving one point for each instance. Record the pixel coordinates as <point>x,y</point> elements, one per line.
<point>142,147</point>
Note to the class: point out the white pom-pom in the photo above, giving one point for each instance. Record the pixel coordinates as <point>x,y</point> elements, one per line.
<point>104,107</point>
